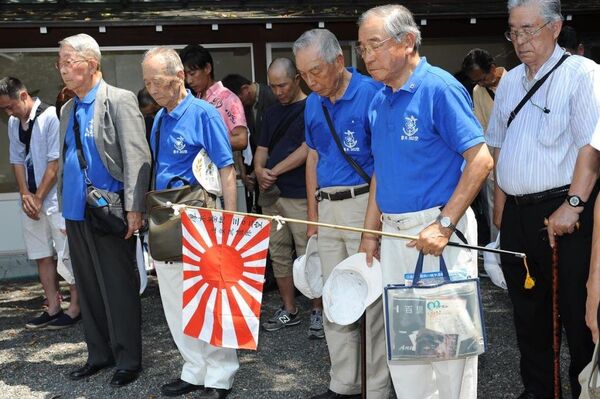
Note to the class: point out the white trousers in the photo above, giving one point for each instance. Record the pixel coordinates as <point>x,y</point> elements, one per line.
<point>449,379</point>
<point>205,364</point>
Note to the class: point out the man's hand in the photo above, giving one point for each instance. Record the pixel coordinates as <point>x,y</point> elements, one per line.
<point>31,206</point>
<point>591,305</point>
<point>134,223</point>
<point>562,221</point>
<point>432,239</point>
<point>266,178</point>
<point>370,245</point>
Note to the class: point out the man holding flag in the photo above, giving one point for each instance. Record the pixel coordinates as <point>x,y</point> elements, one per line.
<point>181,129</point>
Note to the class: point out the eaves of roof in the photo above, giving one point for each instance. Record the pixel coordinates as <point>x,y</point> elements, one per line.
<point>189,12</point>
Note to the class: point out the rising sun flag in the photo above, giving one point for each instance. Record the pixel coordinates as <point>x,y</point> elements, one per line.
<point>224,258</point>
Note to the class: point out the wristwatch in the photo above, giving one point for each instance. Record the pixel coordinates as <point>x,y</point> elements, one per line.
<point>575,201</point>
<point>445,222</point>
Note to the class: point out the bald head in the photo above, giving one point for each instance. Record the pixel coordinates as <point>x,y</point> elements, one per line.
<point>284,81</point>
<point>284,65</point>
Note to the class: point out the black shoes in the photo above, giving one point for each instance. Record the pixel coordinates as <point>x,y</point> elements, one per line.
<point>332,395</point>
<point>124,377</point>
<point>178,387</point>
<point>86,371</point>
<point>213,393</point>
<point>42,320</point>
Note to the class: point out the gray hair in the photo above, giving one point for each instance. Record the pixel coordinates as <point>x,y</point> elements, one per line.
<point>171,59</point>
<point>397,21</point>
<point>322,39</point>
<point>549,9</point>
<point>286,65</point>
<point>83,44</point>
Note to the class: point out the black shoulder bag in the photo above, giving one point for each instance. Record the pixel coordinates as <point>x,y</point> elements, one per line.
<point>104,209</point>
<point>532,91</point>
<point>348,158</point>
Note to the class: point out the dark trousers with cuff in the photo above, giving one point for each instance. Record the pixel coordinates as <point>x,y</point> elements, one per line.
<point>107,280</point>
<point>523,230</point>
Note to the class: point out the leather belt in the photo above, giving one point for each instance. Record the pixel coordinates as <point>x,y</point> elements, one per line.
<point>341,195</point>
<point>536,198</point>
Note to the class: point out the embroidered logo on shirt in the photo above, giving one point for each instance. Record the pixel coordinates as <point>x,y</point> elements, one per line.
<point>410,129</point>
<point>89,129</point>
<point>350,141</point>
<point>179,146</point>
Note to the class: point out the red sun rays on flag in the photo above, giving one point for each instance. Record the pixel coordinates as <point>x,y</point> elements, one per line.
<point>224,259</point>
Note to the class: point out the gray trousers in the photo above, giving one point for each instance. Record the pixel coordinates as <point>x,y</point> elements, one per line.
<point>108,284</point>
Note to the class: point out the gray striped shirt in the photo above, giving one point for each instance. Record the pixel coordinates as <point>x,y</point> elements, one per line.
<point>540,148</point>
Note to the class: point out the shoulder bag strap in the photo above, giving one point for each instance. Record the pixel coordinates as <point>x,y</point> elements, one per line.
<point>25,135</point>
<point>532,91</point>
<point>348,158</point>
<point>282,128</point>
<point>155,152</point>
<point>491,93</point>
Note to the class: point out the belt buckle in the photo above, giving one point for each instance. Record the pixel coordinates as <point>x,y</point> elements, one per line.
<point>318,196</point>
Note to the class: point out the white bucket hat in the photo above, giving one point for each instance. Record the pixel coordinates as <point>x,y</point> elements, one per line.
<point>308,277</point>
<point>491,264</point>
<point>351,287</point>
<point>207,173</point>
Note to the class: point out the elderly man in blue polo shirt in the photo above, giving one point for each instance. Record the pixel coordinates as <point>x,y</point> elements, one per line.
<point>184,126</point>
<point>424,133</point>
<point>342,96</point>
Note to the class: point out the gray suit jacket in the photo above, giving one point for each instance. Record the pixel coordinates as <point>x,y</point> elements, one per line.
<point>120,137</point>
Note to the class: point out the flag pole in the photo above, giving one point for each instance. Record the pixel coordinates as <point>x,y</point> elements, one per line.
<point>281,219</point>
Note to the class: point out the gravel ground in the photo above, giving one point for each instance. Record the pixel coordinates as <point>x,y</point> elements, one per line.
<point>34,364</point>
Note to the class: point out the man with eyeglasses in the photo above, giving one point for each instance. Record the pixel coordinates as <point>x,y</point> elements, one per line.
<point>103,127</point>
<point>546,169</point>
<point>423,134</point>
<point>337,193</point>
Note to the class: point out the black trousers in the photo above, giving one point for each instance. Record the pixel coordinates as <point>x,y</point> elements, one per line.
<point>523,231</point>
<point>108,284</point>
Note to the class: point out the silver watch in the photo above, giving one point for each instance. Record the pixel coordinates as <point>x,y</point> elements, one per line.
<point>445,222</point>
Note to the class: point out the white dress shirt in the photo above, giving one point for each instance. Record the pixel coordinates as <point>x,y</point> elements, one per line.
<point>539,150</point>
<point>44,147</point>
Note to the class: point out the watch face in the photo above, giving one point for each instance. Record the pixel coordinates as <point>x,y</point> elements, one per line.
<point>445,221</point>
<point>574,201</point>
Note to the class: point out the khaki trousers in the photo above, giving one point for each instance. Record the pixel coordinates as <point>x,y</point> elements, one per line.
<point>291,236</point>
<point>344,341</point>
<point>452,379</point>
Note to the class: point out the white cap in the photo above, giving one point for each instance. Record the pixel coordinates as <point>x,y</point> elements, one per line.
<point>207,173</point>
<point>491,264</point>
<point>307,272</point>
<point>351,287</point>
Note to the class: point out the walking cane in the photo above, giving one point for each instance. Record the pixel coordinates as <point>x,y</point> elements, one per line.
<point>555,321</point>
<point>363,355</point>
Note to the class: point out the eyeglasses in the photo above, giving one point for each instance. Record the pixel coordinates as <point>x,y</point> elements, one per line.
<point>68,63</point>
<point>512,35</point>
<point>369,48</point>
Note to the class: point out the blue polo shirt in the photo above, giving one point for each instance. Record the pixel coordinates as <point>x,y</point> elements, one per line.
<point>419,135</point>
<point>74,187</point>
<point>349,116</point>
<point>292,183</point>
<point>191,126</point>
